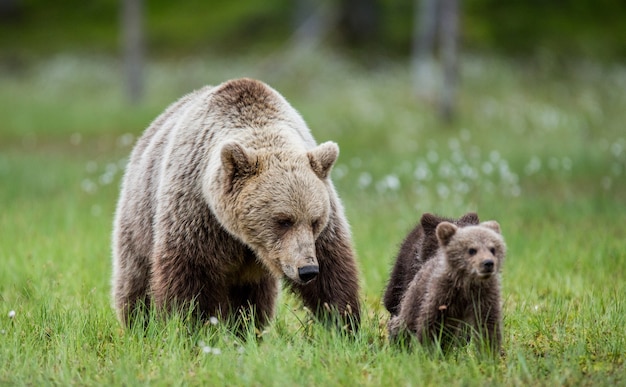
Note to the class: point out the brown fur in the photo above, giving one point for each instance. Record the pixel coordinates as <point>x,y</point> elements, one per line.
<point>456,293</point>
<point>224,194</point>
<point>419,246</point>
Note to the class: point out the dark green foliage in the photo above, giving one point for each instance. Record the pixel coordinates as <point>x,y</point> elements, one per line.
<point>545,29</point>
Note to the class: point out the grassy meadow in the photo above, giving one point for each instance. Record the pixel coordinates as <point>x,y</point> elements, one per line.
<point>539,149</point>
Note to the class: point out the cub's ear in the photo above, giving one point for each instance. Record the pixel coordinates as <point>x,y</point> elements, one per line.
<point>493,225</point>
<point>429,222</point>
<point>323,157</point>
<point>445,232</point>
<point>237,161</point>
<point>469,218</point>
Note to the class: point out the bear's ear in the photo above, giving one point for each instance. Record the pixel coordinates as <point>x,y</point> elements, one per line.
<point>429,222</point>
<point>469,218</point>
<point>492,225</point>
<point>322,158</point>
<point>237,161</point>
<point>445,232</point>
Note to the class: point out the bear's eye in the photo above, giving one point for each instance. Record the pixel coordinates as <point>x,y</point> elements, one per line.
<point>472,251</point>
<point>284,223</point>
<point>315,224</point>
<point>493,251</point>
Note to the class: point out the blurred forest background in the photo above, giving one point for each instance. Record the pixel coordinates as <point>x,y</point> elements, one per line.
<point>31,29</point>
<point>551,33</point>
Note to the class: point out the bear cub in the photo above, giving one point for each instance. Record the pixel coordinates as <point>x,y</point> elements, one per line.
<point>418,246</point>
<point>455,292</point>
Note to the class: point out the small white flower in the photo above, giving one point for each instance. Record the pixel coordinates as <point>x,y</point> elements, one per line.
<point>533,166</point>
<point>340,171</point>
<point>91,166</point>
<point>617,149</point>
<point>365,179</point>
<point>106,178</point>
<point>213,320</point>
<point>88,186</point>
<point>125,140</point>
<point>487,168</point>
<point>443,191</point>
<point>422,172</point>
<point>208,350</point>
<point>392,182</point>
<point>11,314</point>
<point>432,156</point>
<point>566,162</point>
<point>494,156</point>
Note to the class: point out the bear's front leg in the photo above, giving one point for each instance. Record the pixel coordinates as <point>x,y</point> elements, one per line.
<point>334,293</point>
<point>254,301</point>
<point>185,274</point>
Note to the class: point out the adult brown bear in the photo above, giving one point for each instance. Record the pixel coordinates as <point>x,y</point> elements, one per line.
<point>226,193</point>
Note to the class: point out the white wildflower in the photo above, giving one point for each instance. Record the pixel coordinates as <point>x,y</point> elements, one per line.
<point>533,166</point>
<point>340,171</point>
<point>392,182</point>
<point>487,168</point>
<point>422,172</point>
<point>432,156</point>
<point>125,140</point>
<point>617,149</point>
<point>443,191</point>
<point>88,186</point>
<point>91,167</point>
<point>365,179</point>
<point>566,163</point>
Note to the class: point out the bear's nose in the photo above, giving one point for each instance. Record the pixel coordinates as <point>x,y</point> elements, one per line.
<point>487,265</point>
<point>307,273</point>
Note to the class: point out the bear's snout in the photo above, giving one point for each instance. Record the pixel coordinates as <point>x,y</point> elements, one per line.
<point>307,273</point>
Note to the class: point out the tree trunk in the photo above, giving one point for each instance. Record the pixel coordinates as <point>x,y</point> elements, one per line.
<point>436,18</point>
<point>423,47</point>
<point>449,32</point>
<point>132,36</point>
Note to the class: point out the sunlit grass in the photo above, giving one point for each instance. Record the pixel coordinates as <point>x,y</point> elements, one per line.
<point>542,153</point>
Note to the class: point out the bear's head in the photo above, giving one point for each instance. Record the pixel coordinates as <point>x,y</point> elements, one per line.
<point>475,251</point>
<point>277,203</point>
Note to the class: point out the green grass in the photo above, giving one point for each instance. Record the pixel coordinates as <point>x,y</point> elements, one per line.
<point>543,153</point>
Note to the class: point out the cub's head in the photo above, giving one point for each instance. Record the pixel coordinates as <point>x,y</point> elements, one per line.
<point>476,251</point>
<point>277,203</point>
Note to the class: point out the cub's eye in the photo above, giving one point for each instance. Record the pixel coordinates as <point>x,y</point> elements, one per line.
<point>315,225</point>
<point>493,251</point>
<point>472,251</point>
<point>284,223</point>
